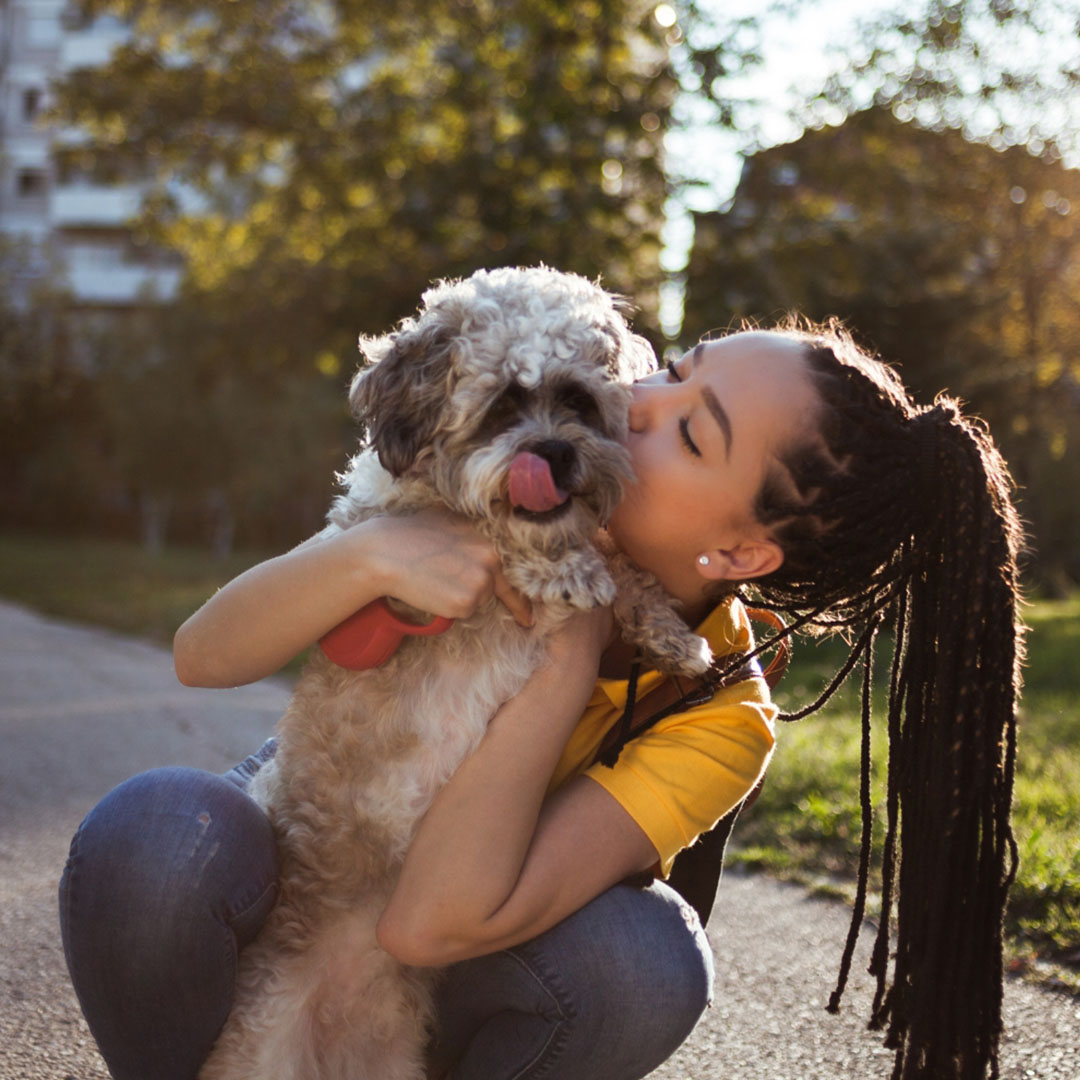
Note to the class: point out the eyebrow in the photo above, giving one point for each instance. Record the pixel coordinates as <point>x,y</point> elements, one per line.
<point>719,413</point>
<point>712,402</point>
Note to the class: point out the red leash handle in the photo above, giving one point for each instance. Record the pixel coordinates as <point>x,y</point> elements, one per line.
<point>370,637</point>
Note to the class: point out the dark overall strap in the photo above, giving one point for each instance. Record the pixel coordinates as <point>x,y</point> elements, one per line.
<point>695,874</point>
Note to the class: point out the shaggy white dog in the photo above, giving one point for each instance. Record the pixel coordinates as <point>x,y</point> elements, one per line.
<point>501,400</point>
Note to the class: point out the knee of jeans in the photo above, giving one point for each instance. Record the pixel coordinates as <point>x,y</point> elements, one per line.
<point>633,972</point>
<point>671,956</point>
<point>165,850</point>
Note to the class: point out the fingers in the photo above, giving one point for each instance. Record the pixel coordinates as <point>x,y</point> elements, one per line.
<point>585,632</point>
<point>442,564</point>
<point>517,603</point>
<point>487,575</point>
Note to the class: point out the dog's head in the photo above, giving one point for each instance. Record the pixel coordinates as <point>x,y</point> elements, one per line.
<point>507,392</point>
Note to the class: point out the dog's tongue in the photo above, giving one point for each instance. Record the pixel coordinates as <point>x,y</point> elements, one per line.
<point>532,486</point>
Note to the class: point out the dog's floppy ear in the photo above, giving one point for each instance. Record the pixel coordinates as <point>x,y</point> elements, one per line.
<point>400,396</point>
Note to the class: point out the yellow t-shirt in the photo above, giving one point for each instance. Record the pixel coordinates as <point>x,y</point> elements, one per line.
<point>678,779</point>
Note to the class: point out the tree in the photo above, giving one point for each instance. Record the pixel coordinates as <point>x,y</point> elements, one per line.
<point>47,402</point>
<point>949,257</point>
<point>1002,71</point>
<point>207,452</point>
<point>318,164</point>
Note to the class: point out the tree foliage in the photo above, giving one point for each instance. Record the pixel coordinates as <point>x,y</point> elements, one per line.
<point>950,258</point>
<point>1006,71</point>
<point>205,451</point>
<point>318,164</point>
<point>46,402</point>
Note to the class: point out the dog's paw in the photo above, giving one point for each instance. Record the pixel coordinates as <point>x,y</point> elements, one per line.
<point>584,591</point>
<point>649,621</point>
<point>654,628</point>
<point>674,649</point>
<point>578,580</point>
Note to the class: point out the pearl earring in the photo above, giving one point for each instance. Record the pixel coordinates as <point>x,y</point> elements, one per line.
<point>703,560</point>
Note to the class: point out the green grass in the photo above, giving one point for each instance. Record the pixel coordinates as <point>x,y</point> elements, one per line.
<point>113,584</point>
<point>806,823</point>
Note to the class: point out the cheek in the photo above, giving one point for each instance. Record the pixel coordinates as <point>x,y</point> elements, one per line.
<point>620,528</point>
<point>634,534</point>
<point>644,461</point>
<point>655,487</point>
<point>634,521</point>
<point>741,488</point>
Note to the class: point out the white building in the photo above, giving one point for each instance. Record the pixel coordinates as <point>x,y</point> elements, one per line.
<point>76,229</point>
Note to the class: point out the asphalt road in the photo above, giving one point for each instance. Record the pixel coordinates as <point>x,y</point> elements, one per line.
<point>82,709</point>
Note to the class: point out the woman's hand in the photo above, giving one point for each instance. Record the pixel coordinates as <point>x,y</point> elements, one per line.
<point>262,619</point>
<point>581,640</point>
<point>439,563</point>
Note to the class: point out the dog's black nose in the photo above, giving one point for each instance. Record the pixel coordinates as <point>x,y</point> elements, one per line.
<point>562,457</point>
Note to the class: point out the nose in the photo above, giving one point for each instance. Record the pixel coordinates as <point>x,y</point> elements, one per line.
<point>646,402</point>
<point>561,456</point>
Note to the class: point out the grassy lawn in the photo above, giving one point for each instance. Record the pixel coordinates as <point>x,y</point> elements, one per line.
<point>806,823</point>
<point>113,584</point>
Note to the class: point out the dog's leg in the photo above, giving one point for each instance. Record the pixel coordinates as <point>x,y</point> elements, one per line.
<point>259,1008</point>
<point>338,1009</point>
<point>364,1016</point>
<point>648,620</point>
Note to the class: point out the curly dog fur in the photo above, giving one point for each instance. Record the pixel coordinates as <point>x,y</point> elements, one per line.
<point>504,363</point>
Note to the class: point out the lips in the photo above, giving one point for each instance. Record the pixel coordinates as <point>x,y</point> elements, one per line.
<point>532,486</point>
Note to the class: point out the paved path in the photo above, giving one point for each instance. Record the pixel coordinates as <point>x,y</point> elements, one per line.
<point>82,709</point>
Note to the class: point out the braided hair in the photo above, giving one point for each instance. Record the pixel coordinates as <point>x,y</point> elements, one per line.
<point>902,515</point>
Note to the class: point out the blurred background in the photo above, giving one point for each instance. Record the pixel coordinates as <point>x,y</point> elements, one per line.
<point>202,204</point>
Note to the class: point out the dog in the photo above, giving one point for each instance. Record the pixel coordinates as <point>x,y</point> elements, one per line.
<point>504,400</point>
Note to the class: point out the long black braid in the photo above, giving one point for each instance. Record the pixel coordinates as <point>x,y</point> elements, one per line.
<point>903,515</point>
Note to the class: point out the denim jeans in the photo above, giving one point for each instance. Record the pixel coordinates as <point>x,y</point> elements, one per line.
<point>173,872</point>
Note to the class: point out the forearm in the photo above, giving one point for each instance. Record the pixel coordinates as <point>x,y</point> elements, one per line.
<point>262,619</point>
<point>432,560</point>
<point>467,856</point>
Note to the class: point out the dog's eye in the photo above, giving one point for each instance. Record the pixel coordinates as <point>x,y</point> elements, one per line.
<point>506,407</point>
<point>580,401</point>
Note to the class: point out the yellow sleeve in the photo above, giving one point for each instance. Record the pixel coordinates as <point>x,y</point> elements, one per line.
<point>679,778</point>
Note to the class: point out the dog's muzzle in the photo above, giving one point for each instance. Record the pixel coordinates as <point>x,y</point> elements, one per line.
<point>540,479</point>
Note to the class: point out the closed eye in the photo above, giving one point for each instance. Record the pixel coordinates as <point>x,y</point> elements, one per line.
<point>684,432</point>
<point>684,423</point>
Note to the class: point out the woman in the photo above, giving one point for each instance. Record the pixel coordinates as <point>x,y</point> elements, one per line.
<point>786,459</point>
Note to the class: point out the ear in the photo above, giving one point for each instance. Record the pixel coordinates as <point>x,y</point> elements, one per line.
<point>400,398</point>
<point>747,560</point>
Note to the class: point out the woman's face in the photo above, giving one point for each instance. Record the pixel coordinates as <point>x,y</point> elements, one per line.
<point>702,433</point>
